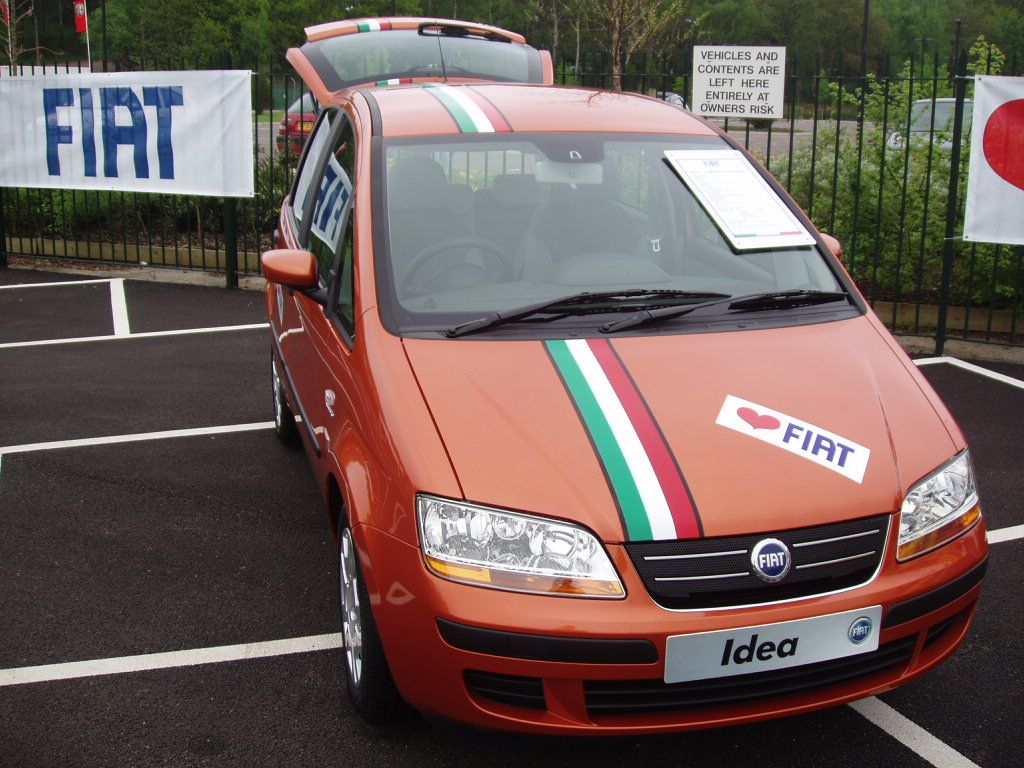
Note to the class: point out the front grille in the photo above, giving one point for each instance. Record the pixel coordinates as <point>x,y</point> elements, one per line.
<point>507,689</point>
<point>631,697</point>
<point>716,572</point>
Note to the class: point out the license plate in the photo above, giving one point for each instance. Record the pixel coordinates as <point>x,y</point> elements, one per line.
<point>727,652</point>
<point>305,127</point>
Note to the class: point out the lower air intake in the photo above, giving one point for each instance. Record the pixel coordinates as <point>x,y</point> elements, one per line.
<point>507,689</point>
<point>632,697</point>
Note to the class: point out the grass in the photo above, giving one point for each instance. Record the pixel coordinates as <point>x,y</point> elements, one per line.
<point>274,116</point>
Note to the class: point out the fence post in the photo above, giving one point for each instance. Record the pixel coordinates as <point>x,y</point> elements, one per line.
<point>230,225</point>
<point>230,242</point>
<point>952,204</point>
<point>3,233</point>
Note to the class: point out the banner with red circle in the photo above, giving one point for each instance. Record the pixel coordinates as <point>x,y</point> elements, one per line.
<point>995,184</point>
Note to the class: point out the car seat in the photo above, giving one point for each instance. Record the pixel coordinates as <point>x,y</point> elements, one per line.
<point>587,219</point>
<point>422,211</point>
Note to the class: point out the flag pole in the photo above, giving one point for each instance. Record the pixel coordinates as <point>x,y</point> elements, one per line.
<point>88,50</point>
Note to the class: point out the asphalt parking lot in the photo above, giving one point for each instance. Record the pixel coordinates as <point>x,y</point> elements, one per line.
<point>167,578</point>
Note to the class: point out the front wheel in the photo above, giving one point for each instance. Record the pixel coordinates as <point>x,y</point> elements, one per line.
<point>370,686</point>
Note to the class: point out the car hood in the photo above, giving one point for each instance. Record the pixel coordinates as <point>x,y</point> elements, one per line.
<point>683,436</point>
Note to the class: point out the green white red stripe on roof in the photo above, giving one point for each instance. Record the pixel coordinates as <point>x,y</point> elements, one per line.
<point>373,25</point>
<point>471,112</point>
<point>642,473</point>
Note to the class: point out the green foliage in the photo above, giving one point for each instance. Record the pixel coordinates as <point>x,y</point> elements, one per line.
<point>138,220</point>
<point>257,218</point>
<point>985,58</point>
<point>886,198</point>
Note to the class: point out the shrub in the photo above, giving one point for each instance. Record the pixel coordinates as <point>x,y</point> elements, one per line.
<point>887,200</point>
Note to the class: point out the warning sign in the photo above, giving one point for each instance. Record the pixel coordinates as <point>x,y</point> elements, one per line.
<point>739,81</point>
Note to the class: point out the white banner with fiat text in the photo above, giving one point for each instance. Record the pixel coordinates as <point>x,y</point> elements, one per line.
<point>180,133</point>
<point>995,181</point>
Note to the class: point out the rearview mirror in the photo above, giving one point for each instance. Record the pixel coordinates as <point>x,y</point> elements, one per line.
<point>833,245</point>
<point>291,267</point>
<point>553,172</point>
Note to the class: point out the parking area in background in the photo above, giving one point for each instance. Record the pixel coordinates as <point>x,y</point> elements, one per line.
<point>167,577</point>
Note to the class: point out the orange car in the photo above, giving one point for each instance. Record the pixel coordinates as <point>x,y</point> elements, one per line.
<point>609,439</point>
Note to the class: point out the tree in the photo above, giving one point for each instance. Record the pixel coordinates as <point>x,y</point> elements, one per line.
<point>17,11</point>
<point>628,26</point>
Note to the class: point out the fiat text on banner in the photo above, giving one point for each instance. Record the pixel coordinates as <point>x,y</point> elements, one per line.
<point>181,133</point>
<point>995,182</point>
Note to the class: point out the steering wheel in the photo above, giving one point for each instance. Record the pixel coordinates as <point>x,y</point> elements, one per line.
<point>452,243</point>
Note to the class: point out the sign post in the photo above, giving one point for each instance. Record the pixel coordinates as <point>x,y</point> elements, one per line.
<point>747,81</point>
<point>3,233</point>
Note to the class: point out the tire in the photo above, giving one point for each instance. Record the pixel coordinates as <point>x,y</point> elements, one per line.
<point>368,679</point>
<point>284,421</point>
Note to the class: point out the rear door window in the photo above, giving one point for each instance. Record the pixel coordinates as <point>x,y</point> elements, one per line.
<point>307,172</point>
<point>333,200</point>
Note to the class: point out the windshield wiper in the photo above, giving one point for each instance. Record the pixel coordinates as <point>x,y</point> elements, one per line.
<point>579,304</point>
<point>797,297</point>
<point>749,303</point>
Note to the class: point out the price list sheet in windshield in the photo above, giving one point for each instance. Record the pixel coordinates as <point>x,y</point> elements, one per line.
<point>733,193</point>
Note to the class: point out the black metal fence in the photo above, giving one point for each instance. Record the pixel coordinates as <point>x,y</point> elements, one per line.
<point>877,161</point>
<point>176,231</point>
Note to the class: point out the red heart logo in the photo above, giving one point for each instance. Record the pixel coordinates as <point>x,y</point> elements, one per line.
<point>1003,142</point>
<point>758,420</point>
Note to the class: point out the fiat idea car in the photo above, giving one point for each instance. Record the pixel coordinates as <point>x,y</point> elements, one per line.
<point>609,440</point>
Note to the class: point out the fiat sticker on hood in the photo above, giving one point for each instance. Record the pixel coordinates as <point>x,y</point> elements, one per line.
<point>807,440</point>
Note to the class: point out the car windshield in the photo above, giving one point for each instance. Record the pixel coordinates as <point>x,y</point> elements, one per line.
<point>493,223</point>
<point>370,57</point>
<point>307,104</point>
<point>921,114</point>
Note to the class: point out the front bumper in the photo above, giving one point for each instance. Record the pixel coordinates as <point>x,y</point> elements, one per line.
<point>572,666</point>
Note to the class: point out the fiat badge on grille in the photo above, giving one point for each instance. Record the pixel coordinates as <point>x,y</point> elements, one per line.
<point>771,560</point>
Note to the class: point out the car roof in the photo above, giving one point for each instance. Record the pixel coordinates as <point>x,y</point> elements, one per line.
<point>431,109</point>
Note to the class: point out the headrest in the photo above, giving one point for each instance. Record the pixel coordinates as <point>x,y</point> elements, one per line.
<point>417,183</point>
<point>516,190</point>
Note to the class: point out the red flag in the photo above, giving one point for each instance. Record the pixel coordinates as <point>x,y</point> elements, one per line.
<point>81,19</point>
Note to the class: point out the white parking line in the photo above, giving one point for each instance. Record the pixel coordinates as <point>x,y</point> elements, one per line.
<point>972,368</point>
<point>147,335</point>
<point>136,438</point>
<point>55,285</point>
<point>122,664</point>
<point>1012,533</point>
<point>119,308</point>
<point>910,734</point>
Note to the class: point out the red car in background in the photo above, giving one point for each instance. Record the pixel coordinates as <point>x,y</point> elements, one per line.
<point>297,124</point>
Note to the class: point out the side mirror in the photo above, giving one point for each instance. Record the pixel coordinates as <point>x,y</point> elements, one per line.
<point>833,245</point>
<point>293,268</point>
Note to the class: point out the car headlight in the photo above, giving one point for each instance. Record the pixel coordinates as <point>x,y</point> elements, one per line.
<point>505,550</point>
<point>939,508</point>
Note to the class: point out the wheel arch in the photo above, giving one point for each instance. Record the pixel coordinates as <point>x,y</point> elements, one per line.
<point>335,503</point>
